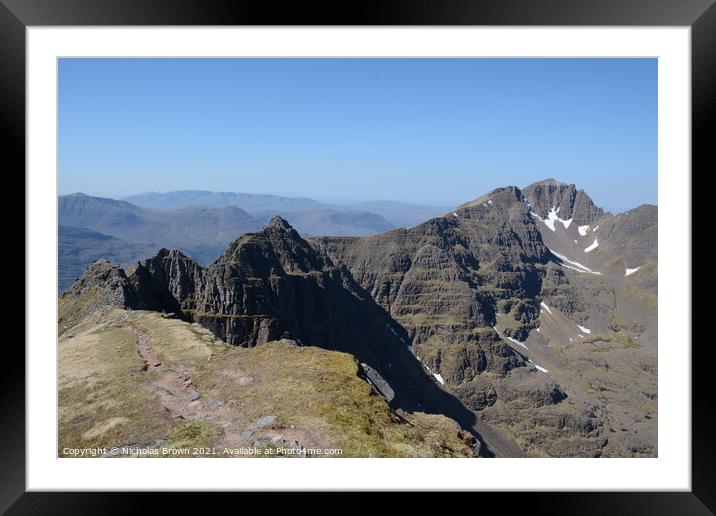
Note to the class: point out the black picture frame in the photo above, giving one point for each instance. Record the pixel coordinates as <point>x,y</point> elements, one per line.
<point>17,15</point>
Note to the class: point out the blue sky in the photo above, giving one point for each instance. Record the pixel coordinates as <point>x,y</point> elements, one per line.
<point>440,131</point>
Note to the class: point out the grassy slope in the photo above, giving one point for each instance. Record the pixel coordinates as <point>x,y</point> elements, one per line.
<point>315,396</point>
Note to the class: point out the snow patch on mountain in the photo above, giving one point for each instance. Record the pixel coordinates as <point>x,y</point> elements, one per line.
<point>629,272</point>
<point>395,333</point>
<point>540,368</point>
<point>573,268</point>
<point>581,268</point>
<point>515,341</point>
<point>437,376</point>
<point>583,230</point>
<point>552,218</point>
<point>594,245</point>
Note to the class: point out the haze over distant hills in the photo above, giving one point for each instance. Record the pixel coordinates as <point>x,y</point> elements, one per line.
<point>78,247</point>
<point>396,214</point>
<point>245,201</point>
<point>123,231</point>
<point>528,316</point>
<point>202,223</point>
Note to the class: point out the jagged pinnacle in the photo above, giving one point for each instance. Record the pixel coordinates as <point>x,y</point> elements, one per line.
<point>278,222</point>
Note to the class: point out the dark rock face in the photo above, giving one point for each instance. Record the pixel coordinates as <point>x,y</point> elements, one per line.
<point>572,203</point>
<point>377,382</point>
<point>632,235</point>
<point>448,280</point>
<point>164,280</point>
<point>603,278</point>
<point>110,281</point>
<point>102,284</point>
<point>477,393</point>
<point>531,391</point>
<point>445,280</point>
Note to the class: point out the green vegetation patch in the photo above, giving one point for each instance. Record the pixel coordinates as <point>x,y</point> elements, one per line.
<point>102,397</point>
<point>261,397</point>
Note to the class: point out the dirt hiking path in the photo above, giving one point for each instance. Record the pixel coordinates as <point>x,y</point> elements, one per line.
<point>177,394</point>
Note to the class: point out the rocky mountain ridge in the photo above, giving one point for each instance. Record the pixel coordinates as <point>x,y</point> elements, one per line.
<point>472,314</point>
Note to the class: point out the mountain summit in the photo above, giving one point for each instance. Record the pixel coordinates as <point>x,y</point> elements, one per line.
<point>278,222</point>
<point>552,196</point>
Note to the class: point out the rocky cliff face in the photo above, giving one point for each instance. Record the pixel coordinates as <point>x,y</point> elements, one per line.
<point>564,200</point>
<point>102,284</point>
<point>604,266</point>
<point>576,229</point>
<point>451,275</point>
<point>600,331</point>
<point>511,280</point>
<point>446,281</point>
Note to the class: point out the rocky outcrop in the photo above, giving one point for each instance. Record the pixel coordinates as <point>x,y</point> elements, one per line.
<point>446,280</point>
<point>632,235</point>
<point>110,279</point>
<point>165,281</point>
<point>552,195</point>
<point>380,386</point>
<point>102,284</point>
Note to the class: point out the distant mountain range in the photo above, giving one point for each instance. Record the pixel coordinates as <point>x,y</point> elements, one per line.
<point>393,213</point>
<point>200,232</point>
<point>79,247</point>
<point>201,224</point>
<point>245,201</point>
<point>528,316</point>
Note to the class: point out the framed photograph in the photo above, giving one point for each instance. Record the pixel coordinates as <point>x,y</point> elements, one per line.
<point>439,248</point>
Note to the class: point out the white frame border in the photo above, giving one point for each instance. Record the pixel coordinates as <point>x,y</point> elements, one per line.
<point>670,471</point>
